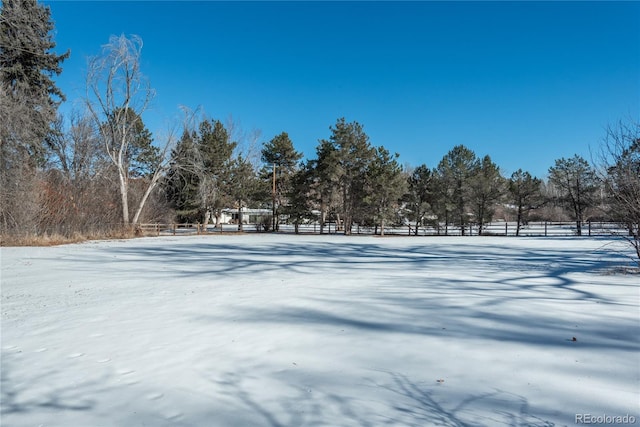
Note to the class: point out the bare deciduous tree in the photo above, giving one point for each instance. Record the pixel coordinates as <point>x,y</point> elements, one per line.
<point>618,162</point>
<point>117,96</point>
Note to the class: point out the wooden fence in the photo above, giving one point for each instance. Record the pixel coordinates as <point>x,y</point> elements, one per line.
<point>501,228</point>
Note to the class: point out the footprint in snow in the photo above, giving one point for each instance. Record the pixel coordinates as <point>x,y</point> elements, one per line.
<point>40,350</point>
<point>75,355</point>
<point>125,371</point>
<point>105,360</point>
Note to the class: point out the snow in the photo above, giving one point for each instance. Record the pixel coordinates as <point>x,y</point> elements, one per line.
<point>282,330</point>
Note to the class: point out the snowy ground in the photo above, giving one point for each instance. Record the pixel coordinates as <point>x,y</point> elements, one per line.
<point>272,330</point>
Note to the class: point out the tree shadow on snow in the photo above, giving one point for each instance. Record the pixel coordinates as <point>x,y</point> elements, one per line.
<point>402,402</point>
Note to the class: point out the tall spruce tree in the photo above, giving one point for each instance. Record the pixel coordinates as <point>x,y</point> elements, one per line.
<point>27,67</point>
<point>182,181</point>
<point>29,100</point>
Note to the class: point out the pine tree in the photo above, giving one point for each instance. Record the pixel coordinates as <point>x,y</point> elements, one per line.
<point>525,194</point>
<point>386,185</point>
<point>299,206</point>
<point>577,182</point>
<point>280,164</point>
<point>420,194</point>
<point>454,173</point>
<point>324,179</point>
<point>216,148</point>
<point>352,153</point>
<point>485,190</point>
<point>241,185</point>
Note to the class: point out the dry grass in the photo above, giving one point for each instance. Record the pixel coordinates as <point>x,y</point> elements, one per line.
<point>58,239</point>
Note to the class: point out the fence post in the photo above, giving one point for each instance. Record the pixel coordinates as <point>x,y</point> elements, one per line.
<point>506,228</point>
<point>545,229</point>
<point>589,228</point>
<point>173,226</point>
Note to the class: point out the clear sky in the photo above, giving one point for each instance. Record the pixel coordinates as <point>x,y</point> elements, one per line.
<point>525,82</point>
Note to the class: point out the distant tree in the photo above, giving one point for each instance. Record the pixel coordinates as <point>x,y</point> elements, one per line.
<point>353,155</point>
<point>386,186</point>
<point>216,150</point>
<point>486,188</point>
<point>299,206</point>
<point>280,161</point>
<point>182,181</point>
<point>324,180</point>
<point>117,96</point>
<point>454,173</point>
<point>525,194</point>
<point>577,183</point>
<point>29,100</point>
<point>619,165</point>
<point>241,185</point>
<point>420,194</point>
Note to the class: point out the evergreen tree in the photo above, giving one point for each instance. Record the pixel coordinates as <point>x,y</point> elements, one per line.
<point>241,185</point>
<point>182,181</point>
<point>216,148</point>
<point>525,194</point>
<point>280,164</point>
<point>324,180</point>
<point>27,67</point>
<point>353,154</point>
<point>454,172</point>
<point>29,100</point>
<point>386,185</point>
<point>486,188</point>
<point>299,207</point>
<point>420,194</point>
<point>577,182</point>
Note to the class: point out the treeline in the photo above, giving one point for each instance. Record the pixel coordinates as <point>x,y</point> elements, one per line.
<point>101,171</point>
<point>350,181</point>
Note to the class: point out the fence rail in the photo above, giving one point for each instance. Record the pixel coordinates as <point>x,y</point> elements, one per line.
<point>501,228</point>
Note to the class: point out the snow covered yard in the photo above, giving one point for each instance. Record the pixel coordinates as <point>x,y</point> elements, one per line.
<point>274,330</point>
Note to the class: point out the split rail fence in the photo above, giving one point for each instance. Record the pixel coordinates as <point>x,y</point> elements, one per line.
<point>541,228</point>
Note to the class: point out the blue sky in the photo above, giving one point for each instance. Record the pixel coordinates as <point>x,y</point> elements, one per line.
<point>525,82</point>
